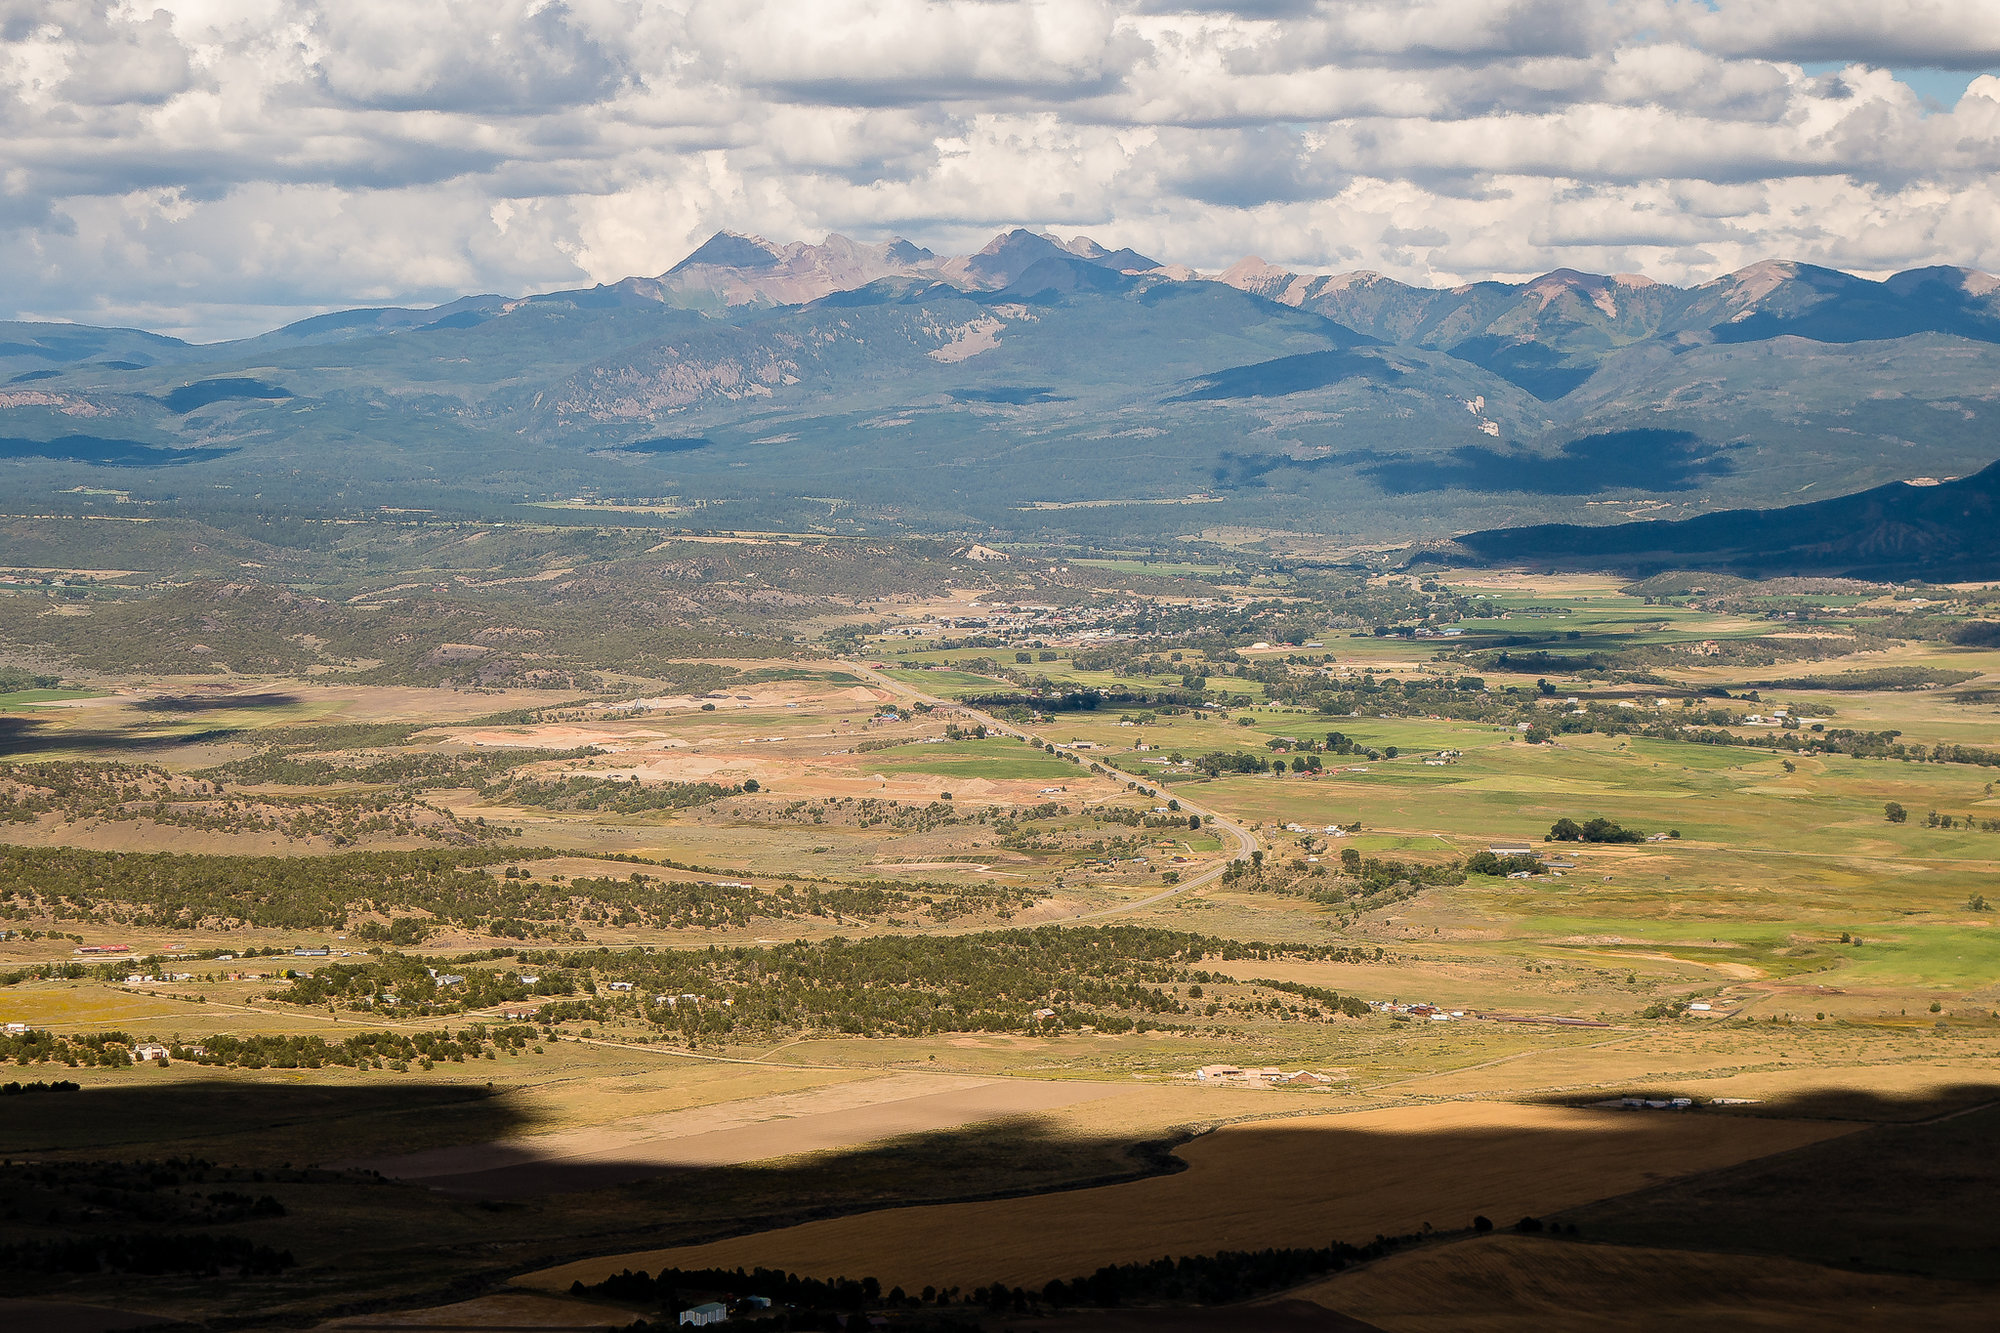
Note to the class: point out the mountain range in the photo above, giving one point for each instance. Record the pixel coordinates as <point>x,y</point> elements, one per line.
<point>1040,386</point>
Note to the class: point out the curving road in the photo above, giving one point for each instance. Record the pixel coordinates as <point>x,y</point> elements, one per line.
<point>1245,844</point>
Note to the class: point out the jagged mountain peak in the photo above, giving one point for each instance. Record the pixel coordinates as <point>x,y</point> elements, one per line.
<point>1005,258</point>
<point>730,249</point>
<point>1600,290</point>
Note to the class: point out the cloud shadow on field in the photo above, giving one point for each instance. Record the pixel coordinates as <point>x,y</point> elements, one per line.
<point>208,703</point>
<point>1912,1197</point>
<point>101,452</point>
<point>664,444</point>
<point>1010,395</point>
<point>34,735</point>
<point>363,1242</point>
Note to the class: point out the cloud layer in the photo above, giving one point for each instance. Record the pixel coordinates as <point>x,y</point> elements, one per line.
<point>218,166</point>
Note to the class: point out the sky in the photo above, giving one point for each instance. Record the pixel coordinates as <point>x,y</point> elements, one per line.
<point>213,168</point>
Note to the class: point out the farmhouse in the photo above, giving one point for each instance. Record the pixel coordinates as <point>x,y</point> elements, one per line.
<point>519,1012</point>
<point>1241,1077</point>
<point>149,1050</point>
<point>712,1313</point>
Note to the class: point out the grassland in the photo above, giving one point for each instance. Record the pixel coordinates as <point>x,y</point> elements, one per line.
<point>1849,965</point>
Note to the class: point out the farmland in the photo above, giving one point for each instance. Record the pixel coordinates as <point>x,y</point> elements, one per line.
<point>841,937</point>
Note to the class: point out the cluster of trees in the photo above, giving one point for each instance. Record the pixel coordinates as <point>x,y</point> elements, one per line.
<point>1897,814</point>
<point>185,891</point>
<point>609,795</point>
<point>1832,740</point>
<point>1871,678</point>
<point>1223,1278</point>
<point>554,637</point>
<point>1333,1001</point>
<point>13,679</point>
<point>1487,863</point>
<point>1217,762</point>
<point>1595,829</point>
<point>199,1253</point>
<point>798,1294</point>
<point>1355,882</point>
<point>147,1193</point>
<point>109,1050</point>
<point>417,771</point>
<point>363,1050</point>
<point>1110,977</point>
<point>414,985</point>
<point>1130,818</point>
<point>1045,696</point>
<point>1209,1279</point>
<point>134,791</point>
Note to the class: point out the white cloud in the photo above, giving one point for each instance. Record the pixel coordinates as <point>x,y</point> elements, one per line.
<point>221,165</point>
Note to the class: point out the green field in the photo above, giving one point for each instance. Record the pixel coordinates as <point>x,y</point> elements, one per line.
<point>995,758</point>
<point>1163,568</point>
<point>45,696</point>
<point>949,684</point>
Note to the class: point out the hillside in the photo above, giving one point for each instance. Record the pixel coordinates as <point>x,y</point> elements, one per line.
<point>1940,531</point>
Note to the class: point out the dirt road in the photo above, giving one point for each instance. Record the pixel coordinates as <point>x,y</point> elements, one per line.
<point>1245,844</point>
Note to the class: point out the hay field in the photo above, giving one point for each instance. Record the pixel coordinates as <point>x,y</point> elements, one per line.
<point>1294,1182</point>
